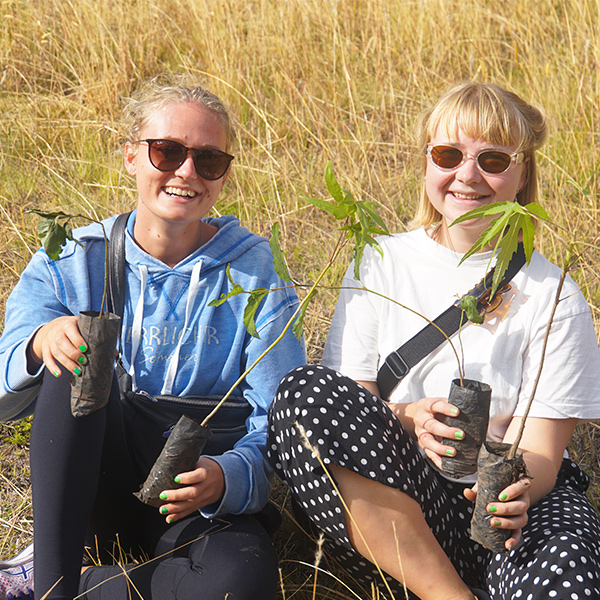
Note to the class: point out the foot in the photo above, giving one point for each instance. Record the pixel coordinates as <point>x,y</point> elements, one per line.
<point>16,576</point>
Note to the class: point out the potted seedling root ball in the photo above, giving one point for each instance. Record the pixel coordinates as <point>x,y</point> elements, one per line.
<point>99,329</point>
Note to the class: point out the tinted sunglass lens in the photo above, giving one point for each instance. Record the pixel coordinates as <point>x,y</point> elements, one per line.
<point>494,162</point>
<point>211,164</point>
<point>166,155</point>
<point>446,157</point>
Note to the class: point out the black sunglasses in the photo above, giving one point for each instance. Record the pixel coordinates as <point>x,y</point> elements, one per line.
<point>493,162</point>
<point>168,155</point>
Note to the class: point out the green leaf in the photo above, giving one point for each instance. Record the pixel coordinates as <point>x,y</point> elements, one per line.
<point>236,289</point>
<point>278,256</point>
<point>254,301</point>
<point>369,209</point>
<point>298,327</point>
<point>339,211</point>
<point>53,236</point>
<point>469,306</point>
<point>333,187</point>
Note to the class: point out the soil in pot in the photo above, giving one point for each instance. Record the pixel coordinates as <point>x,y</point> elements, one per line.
<point>473,400</point>
<point>495,472</point>
<point>90,391</point>
<point>179,455</point>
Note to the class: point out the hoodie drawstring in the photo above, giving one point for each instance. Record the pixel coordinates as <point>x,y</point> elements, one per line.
<point>136,330</point>
<point>174,360</point>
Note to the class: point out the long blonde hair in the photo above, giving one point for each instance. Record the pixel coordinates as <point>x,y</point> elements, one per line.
<point>487,112</point>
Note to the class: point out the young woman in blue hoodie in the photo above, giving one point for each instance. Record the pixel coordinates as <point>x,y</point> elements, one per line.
<point>206,539</point>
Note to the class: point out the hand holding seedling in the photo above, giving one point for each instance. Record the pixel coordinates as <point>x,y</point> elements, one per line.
<point>203,486</point>
<point>510,512</point>
<point>428,426</point>
<point>59,341</point>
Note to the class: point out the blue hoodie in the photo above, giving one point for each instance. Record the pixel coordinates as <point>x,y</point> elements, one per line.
<point>173,342</point>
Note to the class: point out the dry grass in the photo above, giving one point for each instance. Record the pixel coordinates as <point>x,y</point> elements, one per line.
<point>309,81</point>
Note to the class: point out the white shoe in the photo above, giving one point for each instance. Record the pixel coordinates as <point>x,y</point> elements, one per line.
<point>16,576</point>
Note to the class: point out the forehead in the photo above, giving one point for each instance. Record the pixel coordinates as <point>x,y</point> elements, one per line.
<point>185,122</point>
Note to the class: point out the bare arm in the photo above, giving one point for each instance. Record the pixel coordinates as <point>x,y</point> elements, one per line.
<point>543,444</point>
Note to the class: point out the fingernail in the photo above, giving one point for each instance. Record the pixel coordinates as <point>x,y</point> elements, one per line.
<point>77,371</point>
<point>164,510</point>
<point>177,479</point>
<point>503,496</point>
<point>496,523</point>
<point>459,435</point>
<point>163,495</point>
<point>81,359</point>
<point>56,374</point>
<point>454,410</point>
<point>83,348</point>
<point>170,519</point>
<point>492,508</point>
<point>450,452</point>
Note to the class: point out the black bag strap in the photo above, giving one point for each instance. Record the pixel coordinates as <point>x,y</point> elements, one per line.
<point>116,265</point>
<point>399,362</point>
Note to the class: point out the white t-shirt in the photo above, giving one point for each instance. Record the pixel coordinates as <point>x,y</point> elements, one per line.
<point>504,352</point>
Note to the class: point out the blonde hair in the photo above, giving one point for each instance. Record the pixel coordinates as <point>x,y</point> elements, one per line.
<point>487,112</point>
<point>163,90</point>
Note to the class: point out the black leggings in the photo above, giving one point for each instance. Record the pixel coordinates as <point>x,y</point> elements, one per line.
<point>84,472</point>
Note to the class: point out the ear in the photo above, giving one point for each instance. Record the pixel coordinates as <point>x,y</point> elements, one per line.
<point>129,158</point>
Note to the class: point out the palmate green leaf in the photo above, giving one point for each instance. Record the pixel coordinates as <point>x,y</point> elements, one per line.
<point>512,224</point>
<point>469,306</point>
<point>298,327</point>
<point>254,301</point>
<point>278,256</point>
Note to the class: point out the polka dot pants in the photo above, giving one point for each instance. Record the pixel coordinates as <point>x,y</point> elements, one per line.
<point>317,410</point>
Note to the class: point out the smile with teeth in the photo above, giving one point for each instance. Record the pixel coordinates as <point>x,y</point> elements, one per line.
<point>467,196</point>
<point>174,191</point>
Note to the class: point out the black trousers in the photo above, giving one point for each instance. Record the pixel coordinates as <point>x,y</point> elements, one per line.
<point>317,410</point>
<point>84,472</point>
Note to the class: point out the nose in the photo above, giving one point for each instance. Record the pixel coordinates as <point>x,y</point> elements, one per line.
<point>187,169</point>
<point>469,170</point>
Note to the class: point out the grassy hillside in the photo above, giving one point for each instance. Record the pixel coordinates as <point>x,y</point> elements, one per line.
<point>309,81</point>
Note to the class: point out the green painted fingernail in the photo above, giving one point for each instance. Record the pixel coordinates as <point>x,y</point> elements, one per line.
<point>450,452</point>
<point>177,479</point>
<point>492,508</point>
<point>170,519</point>
<point>454,410</point>
<point>81,359</point>
<point>77,371</point>
<point>56,374</point>
<point>164,510</point>
<point>503,496</point>
<point>163,495</point>
<point>83,348</point>
<point>459,435</point>
<point>496,523</point>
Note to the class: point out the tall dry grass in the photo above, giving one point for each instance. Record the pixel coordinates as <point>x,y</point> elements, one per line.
<point>309,81</point>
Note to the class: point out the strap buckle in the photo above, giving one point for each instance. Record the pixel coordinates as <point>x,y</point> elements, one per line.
<point>397,365</point>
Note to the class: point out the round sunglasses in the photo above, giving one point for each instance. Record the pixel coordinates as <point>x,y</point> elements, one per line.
<point>169,155</point>
<point>492,162</point>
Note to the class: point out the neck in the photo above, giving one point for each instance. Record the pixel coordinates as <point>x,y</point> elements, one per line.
<point>169,242</point>
<point>459,238</point>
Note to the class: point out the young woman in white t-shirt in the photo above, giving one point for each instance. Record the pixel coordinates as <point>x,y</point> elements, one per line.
<point>478,147</point>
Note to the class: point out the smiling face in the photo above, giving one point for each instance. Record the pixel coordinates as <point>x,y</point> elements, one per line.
<point>181,196</point>
<point>455,192</point>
